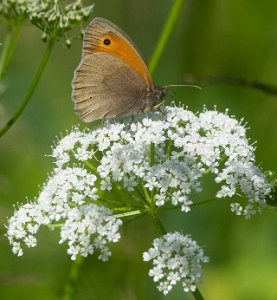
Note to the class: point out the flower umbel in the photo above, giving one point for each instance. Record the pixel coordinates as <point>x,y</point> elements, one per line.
<point>84,222</point>
<point>69,197</point>
<point>153,162</point>
<point>175,258</point>
<point>186,147</point>
<point>53,17</point>
<point>57,17</point>
<point>12,9</point>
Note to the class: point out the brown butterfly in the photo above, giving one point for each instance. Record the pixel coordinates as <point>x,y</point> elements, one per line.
<point>112,79</point>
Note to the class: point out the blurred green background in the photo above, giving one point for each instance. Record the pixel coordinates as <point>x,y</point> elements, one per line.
<point>234,38</point>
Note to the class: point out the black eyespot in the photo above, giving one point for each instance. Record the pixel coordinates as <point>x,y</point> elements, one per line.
<point>107,41</point>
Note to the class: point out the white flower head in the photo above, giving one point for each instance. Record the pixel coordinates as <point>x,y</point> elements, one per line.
<point>168,154</point>
<point>57,17</point>
<point>23,226</point>
<point>157,160</point>
<point>68,199</point>
<point>51,16</point>
<point>176,258</point>
<point>90,227</point>
<point>15,9</point>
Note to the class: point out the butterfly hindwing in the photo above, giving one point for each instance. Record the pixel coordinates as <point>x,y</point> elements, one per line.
<point>104,87</point>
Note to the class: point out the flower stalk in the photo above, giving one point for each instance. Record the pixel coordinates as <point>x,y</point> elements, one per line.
<point>8,47</point>
<point>32,87</point>
<point>54,18</point>
<point>165,34</point>
<point>197,295</point>
<point>158,223</point>
<point>72,278</point>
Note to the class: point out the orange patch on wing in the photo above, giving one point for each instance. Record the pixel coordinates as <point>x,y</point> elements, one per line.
<point>123,49</point>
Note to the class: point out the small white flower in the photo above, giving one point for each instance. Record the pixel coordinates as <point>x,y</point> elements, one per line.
<point>129,183</point>
<point>156,273</point>
<point>165,287</point>
<point>30,241</point>
<point>236,208</point>
<point>173,277</point>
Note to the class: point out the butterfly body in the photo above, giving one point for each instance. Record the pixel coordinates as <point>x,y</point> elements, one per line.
<point>112,79</point>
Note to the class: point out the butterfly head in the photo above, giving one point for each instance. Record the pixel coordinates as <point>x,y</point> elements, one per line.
<point>153,97</point>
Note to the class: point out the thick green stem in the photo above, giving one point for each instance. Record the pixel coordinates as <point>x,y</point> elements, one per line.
<point>167,29</point>
<point>32,88</point>
<point>197,295</point>
<point>11,37</point>
<point>73,275</point>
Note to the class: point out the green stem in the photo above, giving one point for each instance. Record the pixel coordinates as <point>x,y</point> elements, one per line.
<point>11,37</point>
<point>205,201</point>
<point>32,88</point>
<point>137,189</point>
<point>168,150</point>
<point>131,213</point>
<point>91,166</point>
<point>147,197</point>
<point>197,295</point>
<point>167,29</point>
<point>208,171</point>
<point>152,154</point>
<point>73,275</point>
<point>158,224</point>
<point>193,204</point>
<point>55,225</point>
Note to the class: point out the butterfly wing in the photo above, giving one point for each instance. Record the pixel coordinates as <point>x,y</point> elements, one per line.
<point>105,87</point>
<point>112,78</point>
<point>121,46</point>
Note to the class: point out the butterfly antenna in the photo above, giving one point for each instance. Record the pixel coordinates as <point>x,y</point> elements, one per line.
<point>187,85</point>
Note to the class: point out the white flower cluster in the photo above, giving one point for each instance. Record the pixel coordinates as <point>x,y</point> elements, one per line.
<point>15,8</point>
<point>69,197</point>
<point>89,227</point>
<point>51,16</point>
<point>23,226</point>
<point>158,159</point>
<point>176,258</point>
<point>168,154</point>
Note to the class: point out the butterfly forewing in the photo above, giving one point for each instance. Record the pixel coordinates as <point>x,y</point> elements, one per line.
<point>104,87</point>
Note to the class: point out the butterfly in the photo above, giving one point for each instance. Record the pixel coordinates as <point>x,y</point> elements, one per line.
<point>112,79</point>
